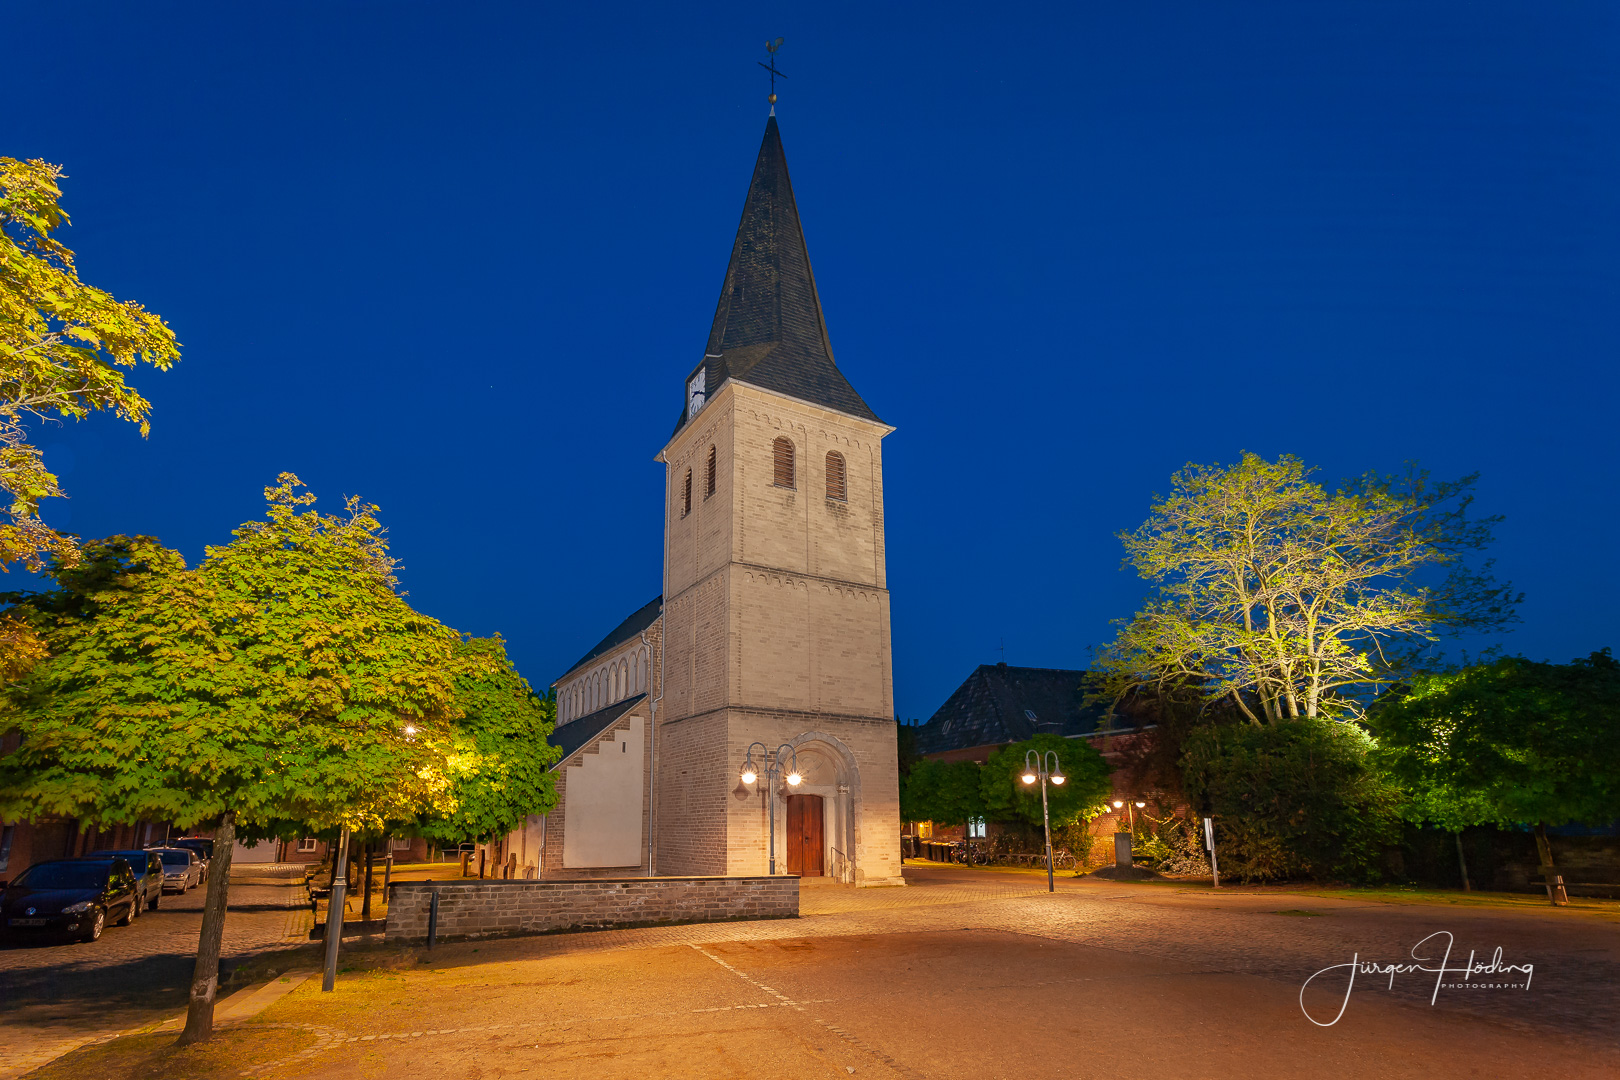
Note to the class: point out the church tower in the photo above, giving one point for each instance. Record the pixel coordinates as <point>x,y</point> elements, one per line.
<point>776,611</point>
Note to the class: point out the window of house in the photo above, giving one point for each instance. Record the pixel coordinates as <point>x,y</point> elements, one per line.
<point>710,490</point>
<point>307,844</point>
<point>686,499</point>
<point>836,486</point>
<point>400,843</point>
<point>6,834</point>
<point>925,829</point>
<point>976,828</point>
<point>782,450</point>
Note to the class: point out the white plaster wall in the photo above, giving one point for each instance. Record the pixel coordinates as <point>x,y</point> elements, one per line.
<point>603,802</point>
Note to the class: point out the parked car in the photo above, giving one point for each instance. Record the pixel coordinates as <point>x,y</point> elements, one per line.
<point>74,897</point>
<point>148,869</point>
<point>181,870</point>
<point>203,846</point>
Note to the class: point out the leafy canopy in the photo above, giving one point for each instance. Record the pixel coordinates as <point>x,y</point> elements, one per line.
<point>1081,795</point>
<point>501,745</point>
<point>946,792</point>
<point>62,343</point>
<point>1301,797</point>
<point>1294,600</point>
<point>1514,741</point>
<point>285,679</point>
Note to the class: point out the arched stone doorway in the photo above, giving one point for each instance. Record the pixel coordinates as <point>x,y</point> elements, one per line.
<point>831,788</point>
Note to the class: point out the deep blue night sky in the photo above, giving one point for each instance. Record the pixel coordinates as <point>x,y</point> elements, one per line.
<point>457,258</point>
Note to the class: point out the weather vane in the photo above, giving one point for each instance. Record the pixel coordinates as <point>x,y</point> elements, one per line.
<point>771,47</point>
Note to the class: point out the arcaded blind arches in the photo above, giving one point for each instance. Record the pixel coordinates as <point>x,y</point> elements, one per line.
<point>837,487</point>
<point>782,449</point>
<point>710,489</point>
<point>686,498</point>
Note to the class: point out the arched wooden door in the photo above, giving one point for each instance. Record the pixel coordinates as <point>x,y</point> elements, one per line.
<point>805,849</point>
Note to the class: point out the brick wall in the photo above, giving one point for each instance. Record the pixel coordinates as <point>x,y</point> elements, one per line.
<point>472,909</point>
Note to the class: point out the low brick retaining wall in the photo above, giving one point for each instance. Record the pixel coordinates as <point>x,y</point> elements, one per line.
<point>474,909</point>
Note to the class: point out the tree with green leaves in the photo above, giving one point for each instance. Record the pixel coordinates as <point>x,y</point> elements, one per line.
<point>1082,794</point>
<point>283,680</point>
<point>1302,797</point>
<point>62,344</point>
<point>1295,600</point>
<point>943,791</point>
<point>501,741</point>
<point>1513,742</point>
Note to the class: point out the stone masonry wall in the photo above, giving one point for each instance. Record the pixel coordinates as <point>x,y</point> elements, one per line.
<point>474,909</point>
<point>777,630</point>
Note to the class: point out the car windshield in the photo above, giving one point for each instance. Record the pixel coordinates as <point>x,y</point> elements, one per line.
<point>175,858</point>
<point>65,875</point>
<point>136,859</point>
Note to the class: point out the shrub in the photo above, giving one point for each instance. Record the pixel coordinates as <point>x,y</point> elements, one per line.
<point>1291,799</point>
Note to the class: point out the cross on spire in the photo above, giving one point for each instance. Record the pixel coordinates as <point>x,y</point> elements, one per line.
<point>771,47</point>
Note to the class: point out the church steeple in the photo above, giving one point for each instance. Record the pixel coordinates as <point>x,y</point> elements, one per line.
<point>768,328</point>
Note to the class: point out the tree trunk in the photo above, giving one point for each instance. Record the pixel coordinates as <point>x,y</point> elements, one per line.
<point>205,978</point>
<point>1462,863</point>
<point>365,904</point>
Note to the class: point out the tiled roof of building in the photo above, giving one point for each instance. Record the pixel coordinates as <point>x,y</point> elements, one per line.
<point>768,329</point>
<point>631,627</point>
<point>998,704</point>
<point>577,733</point>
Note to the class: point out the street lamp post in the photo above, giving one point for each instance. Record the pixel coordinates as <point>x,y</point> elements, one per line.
<point>1044,767</point>
<point>334,911</point>
<point>772,764</point>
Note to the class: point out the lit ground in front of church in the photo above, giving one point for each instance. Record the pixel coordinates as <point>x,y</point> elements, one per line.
<point>966,973</point>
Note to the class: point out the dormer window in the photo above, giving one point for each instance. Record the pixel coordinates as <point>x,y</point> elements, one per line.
<point>697,392</point>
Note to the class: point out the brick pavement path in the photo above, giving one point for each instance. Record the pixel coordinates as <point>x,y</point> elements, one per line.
<point>1576,953</point>
<point>57,996</point>
<point>1237,934</point>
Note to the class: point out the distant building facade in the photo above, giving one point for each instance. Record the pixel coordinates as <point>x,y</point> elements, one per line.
<point>998,705</point>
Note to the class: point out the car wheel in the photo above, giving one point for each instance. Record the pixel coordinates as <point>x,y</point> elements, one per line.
<point>157,898</point>
<point>98,923</point>
<point>132,914</point>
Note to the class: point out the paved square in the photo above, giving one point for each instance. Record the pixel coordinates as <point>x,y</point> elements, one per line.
<point>964,973</point>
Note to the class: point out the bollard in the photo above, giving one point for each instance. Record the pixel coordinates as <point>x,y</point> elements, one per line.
<point>433,918</point>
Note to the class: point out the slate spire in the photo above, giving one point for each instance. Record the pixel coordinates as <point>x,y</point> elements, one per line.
<point>768,328</point>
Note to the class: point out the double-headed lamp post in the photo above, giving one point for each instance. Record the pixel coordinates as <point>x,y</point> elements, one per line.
<point>1044,767</point>
<point>1119,804</point>
<point>773,765</point>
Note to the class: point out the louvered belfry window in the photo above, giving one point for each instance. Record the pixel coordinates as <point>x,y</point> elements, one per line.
<point>836,486</point>
<point>783,451</point>
<point>686,501</point>
<point>710,490</point>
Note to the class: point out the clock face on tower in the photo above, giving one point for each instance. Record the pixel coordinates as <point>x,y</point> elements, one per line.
<point>696,393</point>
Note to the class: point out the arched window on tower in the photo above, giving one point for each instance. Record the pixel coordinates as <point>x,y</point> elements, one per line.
<point>710,489</point>
<point>782,450</point>
<point>837,486</point>
<point>686,498</point>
